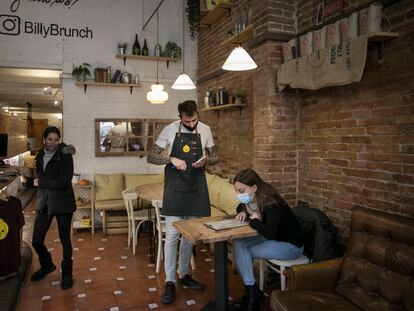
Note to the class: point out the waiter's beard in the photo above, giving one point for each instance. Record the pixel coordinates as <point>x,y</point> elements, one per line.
<point>191,129</point>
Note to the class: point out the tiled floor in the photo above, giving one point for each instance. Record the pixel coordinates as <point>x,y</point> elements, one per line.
<point>107,276</point>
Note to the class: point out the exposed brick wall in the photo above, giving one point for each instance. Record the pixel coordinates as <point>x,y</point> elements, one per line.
<point>336,147</point>
<point>244,140</point>
<point>356,143</point>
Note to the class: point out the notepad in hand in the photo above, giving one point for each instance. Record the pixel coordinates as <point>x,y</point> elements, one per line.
<point>225,224</point>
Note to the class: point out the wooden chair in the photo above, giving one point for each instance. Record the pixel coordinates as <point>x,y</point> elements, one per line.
<point>135,218</point>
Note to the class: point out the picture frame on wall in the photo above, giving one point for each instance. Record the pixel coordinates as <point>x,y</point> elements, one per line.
<point>319,13</point>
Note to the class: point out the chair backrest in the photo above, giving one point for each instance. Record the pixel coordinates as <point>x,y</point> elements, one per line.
<point>160,224</point>
<point>129,195</point>
<point>378,265</point>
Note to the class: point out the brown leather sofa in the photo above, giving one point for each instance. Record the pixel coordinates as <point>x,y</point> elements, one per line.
<point>375,274</point>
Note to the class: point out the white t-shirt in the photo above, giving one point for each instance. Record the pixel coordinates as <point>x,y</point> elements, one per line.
<point>167,135</point>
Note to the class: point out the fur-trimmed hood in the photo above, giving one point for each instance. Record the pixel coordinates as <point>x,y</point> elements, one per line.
<point>68,149</point>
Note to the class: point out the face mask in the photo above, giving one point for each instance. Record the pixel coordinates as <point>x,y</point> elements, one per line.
<point>244,198</point>
<point>190,128</point>
<point>50,146</point>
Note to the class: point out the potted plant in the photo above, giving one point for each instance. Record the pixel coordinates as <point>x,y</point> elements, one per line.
<point>172,50</point>
<point>81,71</point>
<point>193,17</point>
<point>122,47</point>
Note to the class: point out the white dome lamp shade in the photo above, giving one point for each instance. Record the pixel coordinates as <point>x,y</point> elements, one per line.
<point>239,60</point>
<point>157,95</point>
<point>183,82</point>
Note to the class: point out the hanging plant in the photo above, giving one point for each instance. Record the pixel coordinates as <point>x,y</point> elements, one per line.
<point>193,16</point>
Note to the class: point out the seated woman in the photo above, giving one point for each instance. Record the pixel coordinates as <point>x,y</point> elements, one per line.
<point>280,234</point>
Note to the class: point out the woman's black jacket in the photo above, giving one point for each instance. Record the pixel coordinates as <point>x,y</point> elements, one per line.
<point>55,182</point>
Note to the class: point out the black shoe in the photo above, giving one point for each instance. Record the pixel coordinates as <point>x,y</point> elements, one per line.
<point>67,282</point>
<point>241,303</point>
<point>169,293</point>
<point>189,282</point>
<point>255,297</point>
<point>67,279</point>
<point>42,272</point>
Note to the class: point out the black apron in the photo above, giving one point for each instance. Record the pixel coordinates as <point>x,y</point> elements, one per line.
<point>185,192</point>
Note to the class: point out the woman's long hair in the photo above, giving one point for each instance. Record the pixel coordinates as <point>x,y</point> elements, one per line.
<point>265,194</point>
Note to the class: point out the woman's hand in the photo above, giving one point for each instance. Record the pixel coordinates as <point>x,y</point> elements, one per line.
<point>256,215</point>
<point>241,216</point>
<point>36,182</point>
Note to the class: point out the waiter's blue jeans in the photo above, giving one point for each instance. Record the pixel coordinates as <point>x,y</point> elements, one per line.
<point>170,250</point>
<point>247,249</point>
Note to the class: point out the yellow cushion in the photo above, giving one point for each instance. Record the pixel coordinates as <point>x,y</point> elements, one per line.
<point>210,178</point>
<point>227,199</point>
<point>216,212</point>
<point>214,189</point>
<point>109,187</point>
<point>134,180</point>
<point>110,205</point>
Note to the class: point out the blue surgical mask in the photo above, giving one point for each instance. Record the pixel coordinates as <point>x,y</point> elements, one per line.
<point>244,198</point>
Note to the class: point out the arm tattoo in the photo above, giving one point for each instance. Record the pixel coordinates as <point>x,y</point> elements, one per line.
<point>156,157</point>
<point>212,156</point>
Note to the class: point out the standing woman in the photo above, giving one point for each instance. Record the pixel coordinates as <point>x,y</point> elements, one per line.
<point>55,198</point>
<point>280,234</point>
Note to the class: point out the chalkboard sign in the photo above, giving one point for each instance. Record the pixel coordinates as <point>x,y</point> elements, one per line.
<point>3,145</point>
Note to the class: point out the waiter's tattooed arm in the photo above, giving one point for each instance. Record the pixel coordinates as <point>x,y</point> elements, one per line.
<point>212,156</point>
<point>156,157</point>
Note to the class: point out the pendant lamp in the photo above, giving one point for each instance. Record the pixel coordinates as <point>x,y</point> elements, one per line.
<point>157,95</point>
<point>183,81</point>
<point>239,59</point>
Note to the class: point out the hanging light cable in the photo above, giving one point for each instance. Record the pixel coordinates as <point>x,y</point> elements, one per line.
<point>239,59</point>
<point>183,81</point>
<point>157,95</point>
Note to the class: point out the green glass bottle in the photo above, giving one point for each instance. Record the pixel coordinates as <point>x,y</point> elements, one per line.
<point>145,48</point>
<point>136,49</point>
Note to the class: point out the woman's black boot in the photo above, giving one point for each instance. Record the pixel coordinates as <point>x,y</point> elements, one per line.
<point>255,297</point>
<point>241,303</point>
<point>67,279</point>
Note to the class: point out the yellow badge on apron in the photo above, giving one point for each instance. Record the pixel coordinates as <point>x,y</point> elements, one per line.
<point>186,148</point>
<point>4,229</point>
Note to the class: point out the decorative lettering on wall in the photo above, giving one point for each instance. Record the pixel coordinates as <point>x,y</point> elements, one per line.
<point>14,6</point>
<point>12,25</point>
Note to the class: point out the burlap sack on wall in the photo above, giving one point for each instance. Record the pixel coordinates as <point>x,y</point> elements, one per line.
<point>336,65</point>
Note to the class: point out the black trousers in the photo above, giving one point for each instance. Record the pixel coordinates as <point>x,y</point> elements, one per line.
<point>41,226</point>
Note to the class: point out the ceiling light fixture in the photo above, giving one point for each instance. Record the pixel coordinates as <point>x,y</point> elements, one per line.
<point>183,81</point>
<point>56,102</point>
<point>157,95</point>
<point>239,59</point>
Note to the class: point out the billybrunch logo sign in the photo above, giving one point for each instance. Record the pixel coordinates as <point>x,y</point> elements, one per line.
<point>12,25</point>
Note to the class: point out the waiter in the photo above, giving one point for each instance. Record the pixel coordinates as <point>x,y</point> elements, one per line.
<point>185,188</point>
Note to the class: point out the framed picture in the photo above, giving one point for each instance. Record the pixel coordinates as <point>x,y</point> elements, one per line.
<point>319,13</point>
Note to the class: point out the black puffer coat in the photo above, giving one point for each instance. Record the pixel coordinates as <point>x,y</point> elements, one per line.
<point>55,182</point>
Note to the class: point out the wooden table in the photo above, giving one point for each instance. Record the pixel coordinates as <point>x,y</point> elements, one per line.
<point>147,193</point>
<point>195,231</point>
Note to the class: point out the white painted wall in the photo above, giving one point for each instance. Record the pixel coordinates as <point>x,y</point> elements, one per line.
<point>112,21</point>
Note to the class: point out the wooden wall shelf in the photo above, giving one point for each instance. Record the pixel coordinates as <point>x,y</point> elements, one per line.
<point>86,84</point>
<point>219,10</point>
<point>145,58</point>
<point>223,107</point>
<point>242,37</point>
<point>382,36</point>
